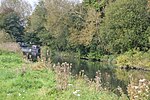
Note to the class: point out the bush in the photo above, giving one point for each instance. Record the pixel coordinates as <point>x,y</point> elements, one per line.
<point>5,37</point>
<point>134,58</point>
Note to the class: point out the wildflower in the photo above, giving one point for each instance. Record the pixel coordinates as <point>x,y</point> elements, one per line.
<point>23,91</point>
<point>19,94</point>
<point>8,94</point>
<point>136,96</point>
<point>119,88</point>
<point>78,90</point>
<point>70,84</point>
<point>142,80</point>
<point>76,93</point>
<point>147,87</point>
<point>147,90</point>
<point>105,88</point>
<point>136,87</point>
<point>139,91</point>
<point>147,95</point>
<point>144,84</point>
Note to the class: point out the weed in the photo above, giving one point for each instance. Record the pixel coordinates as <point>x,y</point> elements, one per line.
<point>139,91</point>
<point>62,75</point>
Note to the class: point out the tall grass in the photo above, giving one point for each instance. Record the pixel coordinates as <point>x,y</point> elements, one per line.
<point>10,47</point>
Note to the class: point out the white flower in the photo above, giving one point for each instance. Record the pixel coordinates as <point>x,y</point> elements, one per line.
<point>147,90</point>
<point>23,91</point>
<point>136,87</point>
<point>19,94</point>
<point>8,94</point>
<point>70,84</point>
<point>142,80</point>
<point>139,91</point>
<point>78,90</point>
<point>76,93</point>
<point>136,96</point>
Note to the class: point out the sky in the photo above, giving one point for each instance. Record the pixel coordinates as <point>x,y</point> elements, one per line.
<point>33,2</point>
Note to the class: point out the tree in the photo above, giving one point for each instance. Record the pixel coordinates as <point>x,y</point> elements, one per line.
<point>13,26</point>
<point>124,26</point>
<point>56,10</point>
<point>21,7</point>
<point>36,25</point>
<point>99,5</point>
<point>13,16</point>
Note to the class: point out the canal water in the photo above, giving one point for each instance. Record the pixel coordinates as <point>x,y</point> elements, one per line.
<point>111,76</point>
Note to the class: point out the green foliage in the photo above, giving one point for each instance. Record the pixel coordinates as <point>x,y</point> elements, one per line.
<point>97,4</point>
<point>37,20</point>
<point>31,38</point>
<point>36,31</point>
<point>124,26</point>
<point>93,28</point>
<point>13,17</point>
<point>13,25</point>
<point>134,58</point>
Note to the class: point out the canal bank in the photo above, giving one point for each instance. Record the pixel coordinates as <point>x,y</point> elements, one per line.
<point>112,76</point>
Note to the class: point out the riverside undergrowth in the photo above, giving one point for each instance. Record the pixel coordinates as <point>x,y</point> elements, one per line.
<point>134,58</point>
<point>41,81</point>
<point>33,81</point>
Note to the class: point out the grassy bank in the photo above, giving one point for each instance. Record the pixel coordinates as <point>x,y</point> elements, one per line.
<point>22,80</point>
<point>35,81</point>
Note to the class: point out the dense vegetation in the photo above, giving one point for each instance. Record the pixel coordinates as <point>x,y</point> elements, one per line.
<point>92,27</point>
<point>134,58</point>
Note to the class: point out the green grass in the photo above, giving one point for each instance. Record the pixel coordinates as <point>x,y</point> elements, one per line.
<point>10,60</point>
<point>33,85</point>
<point>40,84</point>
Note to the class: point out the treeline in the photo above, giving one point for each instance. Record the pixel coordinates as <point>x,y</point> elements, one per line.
<point>93,27</point>
<point>13,18</point>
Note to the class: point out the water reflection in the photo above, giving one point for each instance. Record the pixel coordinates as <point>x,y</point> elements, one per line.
<point>125,75</point>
